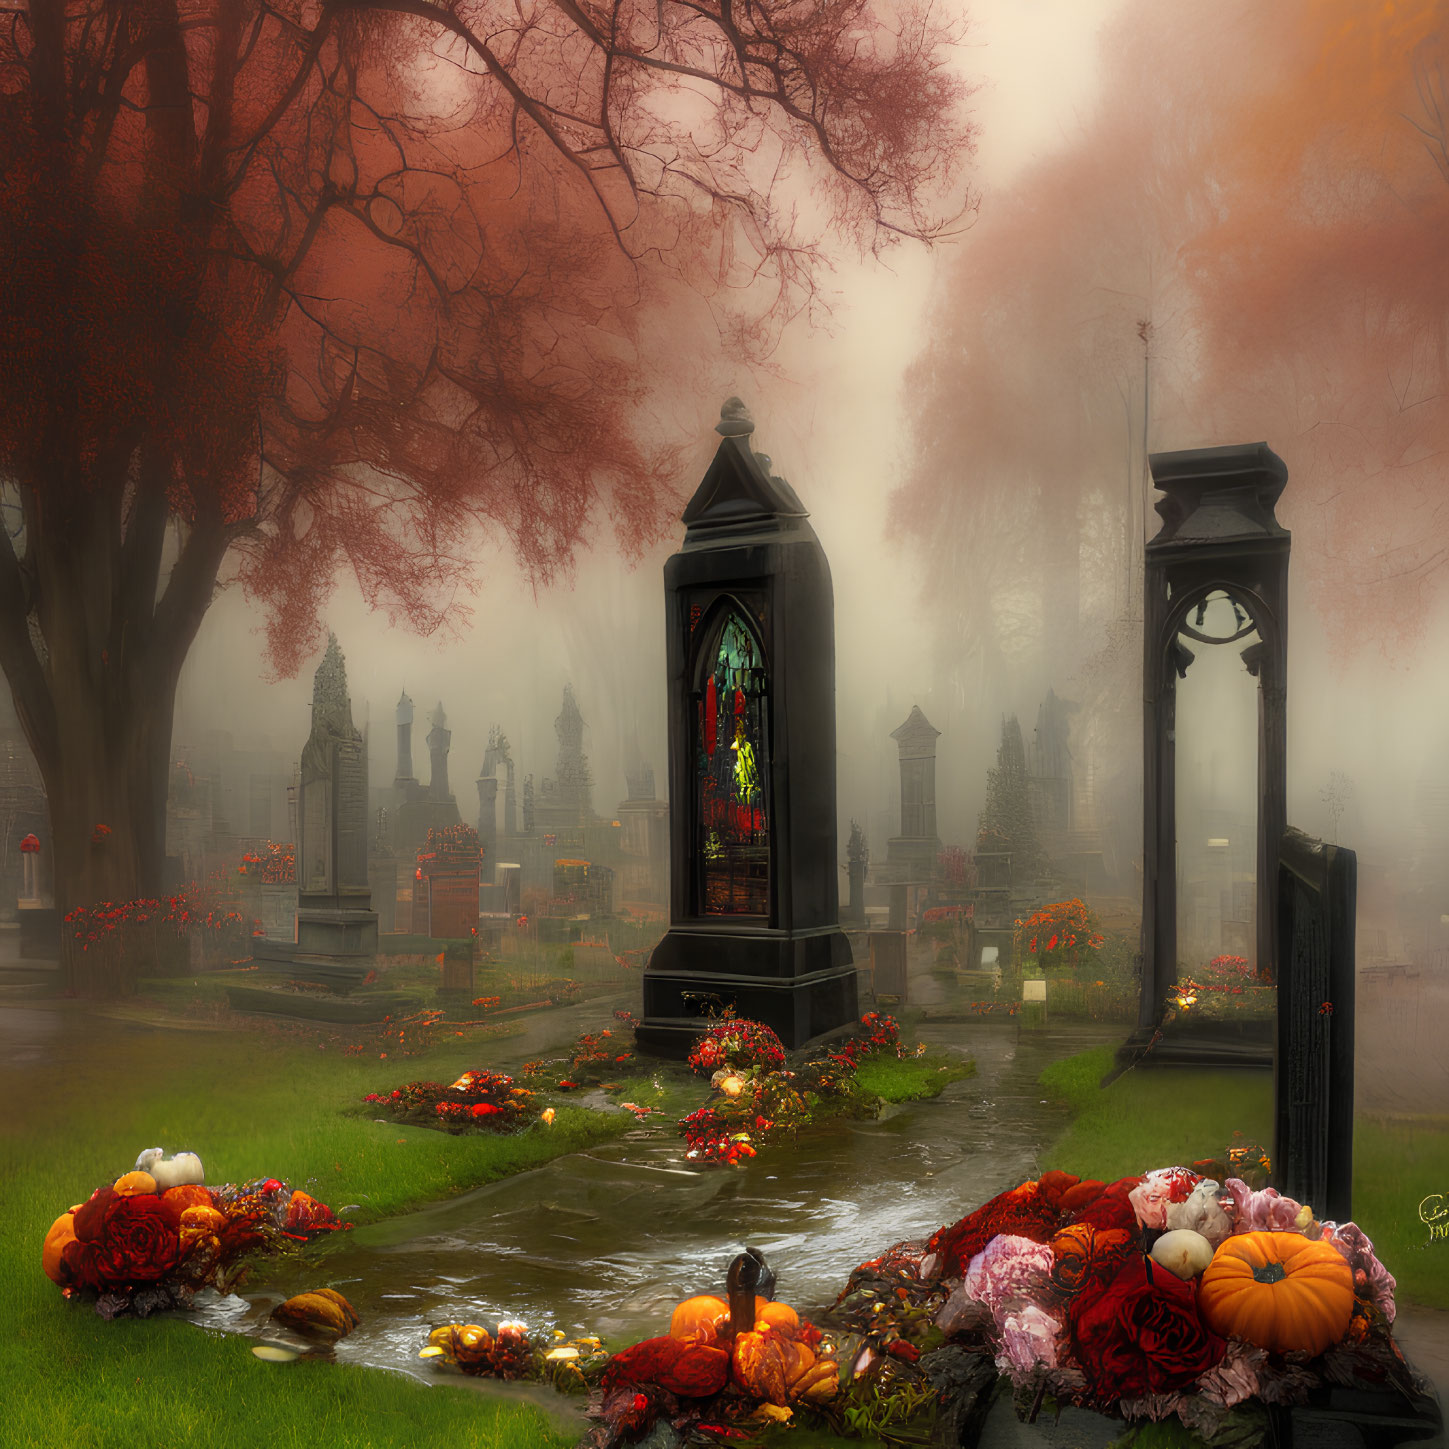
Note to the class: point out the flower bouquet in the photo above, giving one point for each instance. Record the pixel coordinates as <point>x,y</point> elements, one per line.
<point>144,1242</point>
<point>757,1100</point>
<point>1156,1295</point>
<point>477,1101</point>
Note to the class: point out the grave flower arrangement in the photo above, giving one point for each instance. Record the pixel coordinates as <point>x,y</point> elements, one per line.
<point>1174,1292</point>
<point>146,1242</point>
<point>477,1101</point>
<point>1063,935</point>
<point>1226,987</point>
<point>757,1101</point>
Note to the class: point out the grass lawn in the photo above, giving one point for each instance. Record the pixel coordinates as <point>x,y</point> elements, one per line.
<point>1155,1120</point>
<point>910,1079</point>
<point>251,1106</point>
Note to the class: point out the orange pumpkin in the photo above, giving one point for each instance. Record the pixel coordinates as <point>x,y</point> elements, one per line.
<point>775,1315</point>
<point>132,1184</point>
<point>705,1311</point>
<point>1280,1291</point>
<point>193,1194</point>
<point>202,1220</point>
<point>62,1231</point>
<point>777,1369</point>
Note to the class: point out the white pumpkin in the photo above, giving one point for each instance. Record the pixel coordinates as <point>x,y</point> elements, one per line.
<point>1183,1252</point>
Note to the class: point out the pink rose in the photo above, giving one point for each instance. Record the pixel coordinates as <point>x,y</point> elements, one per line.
<point>1161,1186</point>
<point>1028,1342</point>
<point>1009,1272</point>
<point>1371,1280</point>
<point>1267,1211</point>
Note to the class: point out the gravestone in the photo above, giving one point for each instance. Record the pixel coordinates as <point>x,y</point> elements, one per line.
<point>754,892</point>
<point>888,964</point>
<point>334,899</point>
<point>1313,1065</point>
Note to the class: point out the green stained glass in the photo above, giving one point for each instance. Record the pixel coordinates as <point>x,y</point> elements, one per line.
<point>731,772</point>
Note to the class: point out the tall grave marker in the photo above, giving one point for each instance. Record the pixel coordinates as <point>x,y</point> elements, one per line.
<point>754,893</point>
<point>334,897</point>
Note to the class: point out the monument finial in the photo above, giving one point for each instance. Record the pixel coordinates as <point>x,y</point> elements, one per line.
<point>734,420</point>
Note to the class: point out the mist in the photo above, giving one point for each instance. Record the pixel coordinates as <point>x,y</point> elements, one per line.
<point>967,431</point>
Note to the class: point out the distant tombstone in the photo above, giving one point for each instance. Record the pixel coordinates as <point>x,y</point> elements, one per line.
<point>446,896</point>
<point>457,977</point>
<point>754,892</point>
<point>509,879</point>
<point>1313,1065</point>
<point>334,900</point>
<point>888,964</point>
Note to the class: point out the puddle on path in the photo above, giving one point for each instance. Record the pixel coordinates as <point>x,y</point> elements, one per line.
<point>606,1242</point>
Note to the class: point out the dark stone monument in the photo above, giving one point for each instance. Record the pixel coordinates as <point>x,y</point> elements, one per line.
<point>1313,1068</point>
<point>888,965</point>
<point>754,895</point>
<point>405,776</point>
<point>1219,535</point>
<point>440,740</point>
<point>334,901</point>
<point>495,755</point>
<point>911,856</point>
<point>566,801</point>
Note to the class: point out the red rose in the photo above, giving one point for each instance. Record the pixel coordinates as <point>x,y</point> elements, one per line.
<point>123,1240</point>
<point>1111,1208</point>
<point>1141,1333</point>
<point>1024,1212</point>
<point>693,1370</point>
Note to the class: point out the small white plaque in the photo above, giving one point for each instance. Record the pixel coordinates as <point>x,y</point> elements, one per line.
<point>1033,989</point>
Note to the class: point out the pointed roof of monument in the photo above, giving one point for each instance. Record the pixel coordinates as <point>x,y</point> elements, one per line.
<point>738,487</point>
<point>331,708</point>
<point>917,735</point>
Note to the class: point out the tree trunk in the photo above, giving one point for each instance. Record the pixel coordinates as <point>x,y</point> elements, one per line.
<point>106,786</point>
<point>93,656</point>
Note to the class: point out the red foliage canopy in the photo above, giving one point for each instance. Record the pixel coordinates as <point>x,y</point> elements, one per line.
<point>306,284</point>
<point>326,282</point>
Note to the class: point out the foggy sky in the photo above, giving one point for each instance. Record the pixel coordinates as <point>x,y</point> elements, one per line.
<point>836,431</point>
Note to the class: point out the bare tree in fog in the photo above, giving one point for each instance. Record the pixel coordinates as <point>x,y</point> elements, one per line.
<point>1259,200</point>
<point>293,288</point>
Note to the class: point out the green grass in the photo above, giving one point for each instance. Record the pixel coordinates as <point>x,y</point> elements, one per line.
<point>1165,1117</point>
<point>251,1106</point>
<point>910,1079</point>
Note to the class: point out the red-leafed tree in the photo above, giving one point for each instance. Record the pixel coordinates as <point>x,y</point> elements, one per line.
<point>311,285</point>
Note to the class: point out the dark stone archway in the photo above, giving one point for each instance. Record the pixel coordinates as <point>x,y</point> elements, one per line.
<point>1219,535</point>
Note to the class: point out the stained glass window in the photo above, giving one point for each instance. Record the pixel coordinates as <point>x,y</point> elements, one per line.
<point>731,774</point>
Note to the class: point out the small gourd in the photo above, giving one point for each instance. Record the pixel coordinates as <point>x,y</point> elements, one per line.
<point>1183,1251</point>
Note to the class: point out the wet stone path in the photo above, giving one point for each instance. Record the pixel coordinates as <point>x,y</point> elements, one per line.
<point>608,1240</point>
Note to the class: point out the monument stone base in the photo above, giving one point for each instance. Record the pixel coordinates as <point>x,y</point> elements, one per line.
<point>1201,1044</point>
<point>39,931</point>
<point>336,932</point>
<point>801,984</point>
